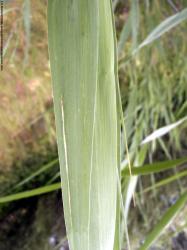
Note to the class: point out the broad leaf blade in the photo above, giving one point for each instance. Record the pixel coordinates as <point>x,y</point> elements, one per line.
<point>82,64</point>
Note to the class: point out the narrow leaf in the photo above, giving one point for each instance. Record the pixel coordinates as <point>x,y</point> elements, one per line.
<point>162,131</point>
<point>30,193</point>
<point>164,27</point>
<point>155,167</point>
<point>164,222</point>
<point>124,35</point>
<point>135,22</point>
<point>165,181</point>
<point>27,26</point>
<point>38,172</point>
<point>6,11</point>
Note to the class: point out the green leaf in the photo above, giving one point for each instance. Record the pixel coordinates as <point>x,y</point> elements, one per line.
<point>117,242</point>
<point>162,131</point>
<point>56,176</point>
<point>27,27</point>
<point>131,26</point>
<point>129,187</point>
<point>155,167</point>
<point>30,193</point>
<point>81,49</point>
<point>135,22</point>
<point>162,28</point>
<point>164,222</point>
<point>38,172</point>
<point>124,35</point>
<point>165,181</point>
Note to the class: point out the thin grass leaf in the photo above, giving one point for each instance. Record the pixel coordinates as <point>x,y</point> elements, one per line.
<point>54,178</point>
<point>124,35</point>
<point>30,193</point>
<point>134,22</point>
<point>131,181</point>
<point>162,131</point>
<point>117,241</point>
<point>10,36</point>
<point>38,172</point>
<point>162,28</point>
<point>164,222</point>
<point>6,11</point>
<point>173,6</point>
<point>165,181</point>
<point>27,26</point>
<point>155,167</point>
<point>81,49</point>
<point>128,190</point>
<point>130,27</point>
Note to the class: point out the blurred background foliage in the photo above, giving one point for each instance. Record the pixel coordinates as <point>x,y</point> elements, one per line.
<point>154,94</point>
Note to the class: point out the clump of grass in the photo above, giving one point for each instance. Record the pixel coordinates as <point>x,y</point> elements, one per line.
<point>26,125</point>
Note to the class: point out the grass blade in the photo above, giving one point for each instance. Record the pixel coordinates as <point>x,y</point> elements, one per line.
<point>130,27</point>
<point>38,172</point>
<point>30,193</point>
<point>135,22</point>
<point>6,11</point>
<point>164,222</point>
<point>162,131</point>
<point>155,167</point>
<point>124,35</point>
<point>117,241</point>
<point>27,26</point>
<point>165,181</point>
<point>164,27</point>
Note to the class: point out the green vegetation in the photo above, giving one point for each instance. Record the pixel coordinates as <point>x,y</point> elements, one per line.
<point>102,169</point>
